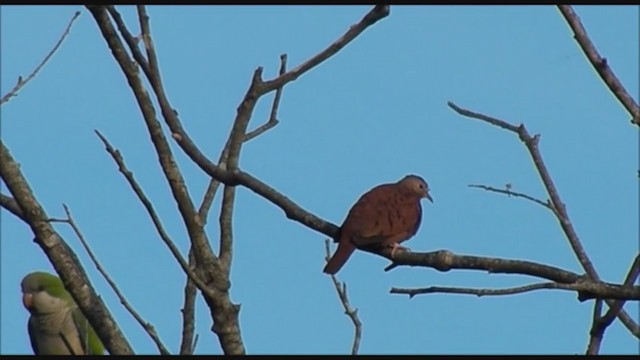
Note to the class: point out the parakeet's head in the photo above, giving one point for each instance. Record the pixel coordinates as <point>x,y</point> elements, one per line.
<point>43,293</point>
<point>50,304</point>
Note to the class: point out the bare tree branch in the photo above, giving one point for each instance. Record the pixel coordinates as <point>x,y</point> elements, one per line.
<point>352,313</point>
<point>376,14</point>
<point>11,205</point>
<point>223,311</point>
<point>516,194</point>
<point>599,63</point>
<point>577,286</point>
<point>149,328</point>
<point>222,161</point>
<point>122,167</point>
<point>22,82</point>
<point>188,312</point>
<point>531,144</point>
<point>62,257</point>
<point>600,324</point>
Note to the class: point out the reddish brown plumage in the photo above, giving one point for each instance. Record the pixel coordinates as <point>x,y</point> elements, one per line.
<point>386,215</point>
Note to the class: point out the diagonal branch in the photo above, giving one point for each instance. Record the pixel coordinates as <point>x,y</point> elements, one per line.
<point>376,14</point>
<point>223,311</point>
<point>11,205</point>
<point>600,64</point>
<point>600,324</point>
<point>560,212</point>
<point>149,328</point>
<point>222,160</point>
<point>62,257</point>
<point>352,313</point>
<point>22,82</point>
<point>157,223</point>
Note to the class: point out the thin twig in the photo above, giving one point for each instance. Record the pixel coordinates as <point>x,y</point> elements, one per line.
<point>117,157</point>
<point>578,286</point>
<point>22,82</point>
<point>145,325</point>
<point>515,194</point>
<point>376,14</point>
<point>352,313</point>
<point>560,212</point>
<point>600,324</point>
<point>600,64</point>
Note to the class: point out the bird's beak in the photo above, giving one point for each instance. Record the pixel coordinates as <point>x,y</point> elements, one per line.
<point>428,197</point>
<point>27,301</point>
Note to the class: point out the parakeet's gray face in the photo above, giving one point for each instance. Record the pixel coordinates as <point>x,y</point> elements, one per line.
<point>37,299</point>
<point>41,303</point>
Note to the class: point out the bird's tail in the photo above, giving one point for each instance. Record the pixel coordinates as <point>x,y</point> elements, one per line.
<point>340,257</point>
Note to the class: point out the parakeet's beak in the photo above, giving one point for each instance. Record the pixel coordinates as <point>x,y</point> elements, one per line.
<point>27,301</point>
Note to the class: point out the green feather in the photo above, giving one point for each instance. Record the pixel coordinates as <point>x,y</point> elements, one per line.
<point>43,281</point>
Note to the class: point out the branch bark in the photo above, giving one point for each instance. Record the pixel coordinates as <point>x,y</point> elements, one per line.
<point>22,82</point>
<point>62,257</point>
<point>148,328</point>
<point>600,64</point>
<point>531,143</point>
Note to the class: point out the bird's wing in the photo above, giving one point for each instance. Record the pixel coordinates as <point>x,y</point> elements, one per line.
<point>82,325</point>
<point>32,336</point>
<point>382,216</point>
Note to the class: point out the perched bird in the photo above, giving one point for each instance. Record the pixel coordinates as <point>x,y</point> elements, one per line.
<point>385,216</point>
<point>56,325</point>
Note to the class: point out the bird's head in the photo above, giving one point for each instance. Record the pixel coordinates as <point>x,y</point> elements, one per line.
<point>43,293</point>
<point>416,185</point>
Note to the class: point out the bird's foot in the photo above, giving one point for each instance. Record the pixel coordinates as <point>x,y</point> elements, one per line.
<point>395,247</point>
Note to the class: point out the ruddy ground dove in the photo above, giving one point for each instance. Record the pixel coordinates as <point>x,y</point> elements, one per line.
<point>384,216</point>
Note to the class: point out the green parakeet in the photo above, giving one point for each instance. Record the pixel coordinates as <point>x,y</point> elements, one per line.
<point>56,325</point>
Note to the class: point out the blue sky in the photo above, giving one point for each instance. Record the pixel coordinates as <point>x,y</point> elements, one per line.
<point>371,114</point>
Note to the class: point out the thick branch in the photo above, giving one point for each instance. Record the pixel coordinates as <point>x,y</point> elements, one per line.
<point>148,328</point>
<point>63,259</point>
<point>22,82</point>
<point>444,260</point>
<point>600,64</point>
<point>223,311</point>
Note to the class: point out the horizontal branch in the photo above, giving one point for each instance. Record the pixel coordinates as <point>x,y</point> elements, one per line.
<point>444,260</point>
<point>514,194</point>
<point>578,286</point>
